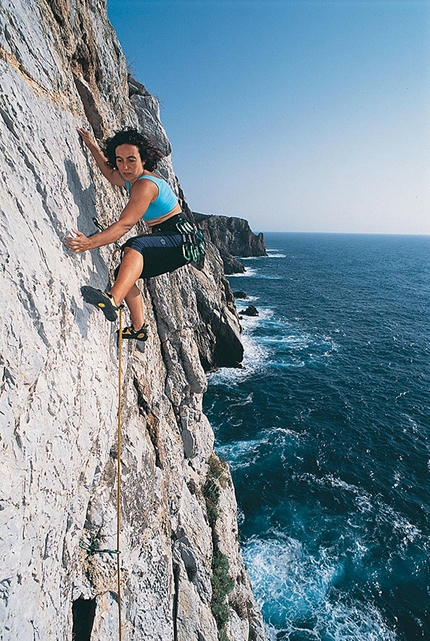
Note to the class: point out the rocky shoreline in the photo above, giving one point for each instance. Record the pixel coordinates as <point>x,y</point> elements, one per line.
<point>233,237</point>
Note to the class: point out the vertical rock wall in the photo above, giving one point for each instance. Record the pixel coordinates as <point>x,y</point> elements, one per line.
<point>61,67</point>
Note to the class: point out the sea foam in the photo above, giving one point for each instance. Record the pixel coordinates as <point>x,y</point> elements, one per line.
<point>298,595</point>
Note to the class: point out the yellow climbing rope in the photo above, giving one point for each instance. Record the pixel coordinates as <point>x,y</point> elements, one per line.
<point>92,546</point>
<point>118,500</point>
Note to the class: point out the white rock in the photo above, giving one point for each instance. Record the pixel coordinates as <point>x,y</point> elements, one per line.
<point>61,68</point>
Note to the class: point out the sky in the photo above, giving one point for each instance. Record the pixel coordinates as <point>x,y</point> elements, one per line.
<point>300,116</point>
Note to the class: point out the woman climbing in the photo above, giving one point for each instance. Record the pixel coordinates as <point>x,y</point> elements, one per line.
<point>129,160</point>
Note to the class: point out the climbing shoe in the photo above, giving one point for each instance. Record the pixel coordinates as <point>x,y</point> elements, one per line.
<point>102,300</point>
<point>139,335</point>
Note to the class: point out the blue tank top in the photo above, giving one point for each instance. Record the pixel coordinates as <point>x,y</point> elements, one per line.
<point>165,201</point>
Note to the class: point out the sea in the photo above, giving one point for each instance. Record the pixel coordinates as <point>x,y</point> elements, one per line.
<point>326,429</point>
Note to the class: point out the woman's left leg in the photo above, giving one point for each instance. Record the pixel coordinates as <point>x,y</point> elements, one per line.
<point>125,287</point>
<point>135,305</point>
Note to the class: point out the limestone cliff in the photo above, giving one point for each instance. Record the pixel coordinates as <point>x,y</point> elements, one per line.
<point>61,67</point>
<point>233,237</point>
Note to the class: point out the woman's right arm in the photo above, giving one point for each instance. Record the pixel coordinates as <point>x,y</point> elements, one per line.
<point>112,175</point>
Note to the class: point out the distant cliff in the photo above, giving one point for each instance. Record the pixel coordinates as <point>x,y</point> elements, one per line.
<point>233,237</point>
<point>183,578</point>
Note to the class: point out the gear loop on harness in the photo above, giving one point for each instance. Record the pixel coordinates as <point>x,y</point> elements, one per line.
<point>193,242</point>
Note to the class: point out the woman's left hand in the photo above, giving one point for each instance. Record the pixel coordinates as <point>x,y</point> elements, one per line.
<point>78,243</point>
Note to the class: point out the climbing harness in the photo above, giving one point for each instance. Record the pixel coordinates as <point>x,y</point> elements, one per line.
<point>193,243</point>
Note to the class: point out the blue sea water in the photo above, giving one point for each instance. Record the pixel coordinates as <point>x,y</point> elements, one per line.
<point>327,433</point>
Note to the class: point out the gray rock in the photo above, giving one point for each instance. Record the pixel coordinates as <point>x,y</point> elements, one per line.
<point>61,68</point>
<point>251,310</point>
<point>232,237</point>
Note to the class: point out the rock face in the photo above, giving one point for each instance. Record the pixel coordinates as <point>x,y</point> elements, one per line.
<point>61,68</point>
<point>233,237</point>
<point>250,311</point>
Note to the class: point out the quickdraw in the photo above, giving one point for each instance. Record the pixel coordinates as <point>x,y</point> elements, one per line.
<point>116,243</point>
<point>92,547</point>
<point>193,243</point>
<point>101,228</point>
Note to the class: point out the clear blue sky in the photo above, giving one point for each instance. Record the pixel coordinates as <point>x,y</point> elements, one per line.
<point>298,116</point>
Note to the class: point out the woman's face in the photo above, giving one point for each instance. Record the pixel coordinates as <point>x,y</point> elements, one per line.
<point>129,162</point>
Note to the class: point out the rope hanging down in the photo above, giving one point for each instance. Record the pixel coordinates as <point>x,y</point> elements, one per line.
<point>92,546</point>
<point>118,499</point>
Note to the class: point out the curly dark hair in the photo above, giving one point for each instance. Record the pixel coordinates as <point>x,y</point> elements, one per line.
<point>149,154</point>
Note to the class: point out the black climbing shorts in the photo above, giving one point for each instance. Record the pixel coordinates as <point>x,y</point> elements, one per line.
<point>161,250</point>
